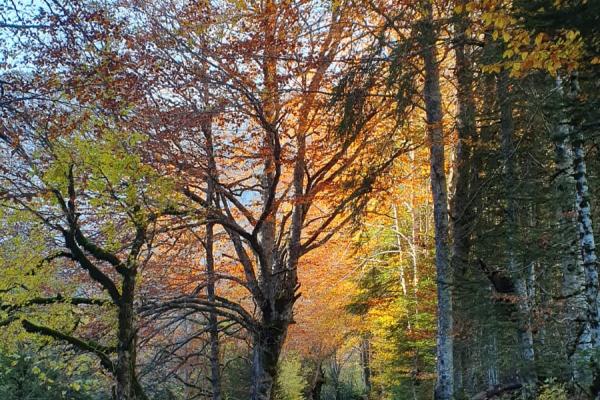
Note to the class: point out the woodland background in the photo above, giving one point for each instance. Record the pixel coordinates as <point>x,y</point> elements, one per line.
<point>299,199</point>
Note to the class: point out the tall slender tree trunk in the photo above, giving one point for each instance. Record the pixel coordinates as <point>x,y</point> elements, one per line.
<point>444,387</point>
<point>461,208</point>
<point>415,282</point>
<point>588,340</point>
<point>524,312</point>
<point>580,281</point>
<point>365,362</point>
<point>399,249</point>
<point>414,249</point>
<point>579,335</point>
<point>213,327</point>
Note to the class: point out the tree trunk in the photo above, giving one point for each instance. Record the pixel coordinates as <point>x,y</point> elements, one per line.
<point>270,333</point>
<point>365,363</point>
<point>126,387</point>
<point>586,235</point>
<point>268,342</point>
<point>316,384</point>
<point>399,249</point>
<point>444,388</point>
<point>461,208</point>
<point>588,340</point>
<point>579,336</point>
<point>415,281</point>
<point>492,360</point>
<point>520,285</point>
<point>213,328</point>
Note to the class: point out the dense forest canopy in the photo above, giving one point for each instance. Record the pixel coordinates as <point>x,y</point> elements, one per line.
<point>299,199</point>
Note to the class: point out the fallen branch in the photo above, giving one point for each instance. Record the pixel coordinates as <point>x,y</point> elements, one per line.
<point>497,391</point>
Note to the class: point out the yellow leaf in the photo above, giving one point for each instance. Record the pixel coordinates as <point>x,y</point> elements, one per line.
<point>501,22</point>
<point>506,36</point>
<point>539,38</point>
<point>487,18</point>
<point>492,68</point>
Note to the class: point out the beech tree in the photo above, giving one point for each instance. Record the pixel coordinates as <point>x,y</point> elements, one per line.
<point>309,130</point>
<point>74,171</point>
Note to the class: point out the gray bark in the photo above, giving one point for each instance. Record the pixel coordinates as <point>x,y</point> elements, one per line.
<point>444,387</point>
<point>213,328</point>
<point>573,282</point>
<point>587,245</point>
<point>268,343</point>
<point>580,276</point>
<point>586,233</point>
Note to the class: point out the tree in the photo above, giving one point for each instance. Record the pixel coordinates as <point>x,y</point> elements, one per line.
<point>76,174</point>
<point>289,140</point>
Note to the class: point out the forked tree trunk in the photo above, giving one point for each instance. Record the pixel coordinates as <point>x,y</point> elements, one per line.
<point>271,331</point>
<point>444,388</point>
<point>278,272</point>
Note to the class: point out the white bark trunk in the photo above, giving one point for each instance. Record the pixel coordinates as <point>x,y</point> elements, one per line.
<point>399,248</point>
<point>580,276</point>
